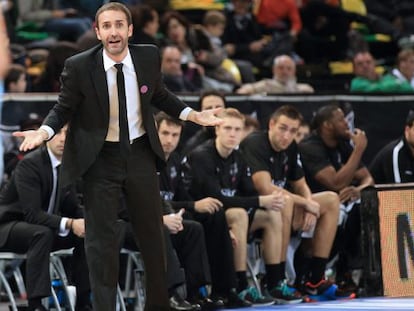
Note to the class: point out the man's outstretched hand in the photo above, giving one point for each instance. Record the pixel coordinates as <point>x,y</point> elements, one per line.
<point>205,117</point>
<point>31,139</point>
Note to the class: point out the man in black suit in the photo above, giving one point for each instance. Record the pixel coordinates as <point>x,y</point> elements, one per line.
<point>116,149</point>
<point>35,220</point>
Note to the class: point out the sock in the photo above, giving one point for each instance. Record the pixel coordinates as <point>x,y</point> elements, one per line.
<point>317,269</point>
<point>34,303</point>
<point>83,299</point>
<point>241,281</point>
<point>274,275</point>
<point>282,270</point>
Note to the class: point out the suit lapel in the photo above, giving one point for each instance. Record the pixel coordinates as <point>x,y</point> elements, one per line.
<point>98,76</point>
<point>139,64</point>
<point>48,173</point>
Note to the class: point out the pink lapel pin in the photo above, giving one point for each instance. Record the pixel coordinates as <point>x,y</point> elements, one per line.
<point>143,89</point>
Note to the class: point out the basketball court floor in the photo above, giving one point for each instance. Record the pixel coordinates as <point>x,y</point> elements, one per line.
<point>378,303</point>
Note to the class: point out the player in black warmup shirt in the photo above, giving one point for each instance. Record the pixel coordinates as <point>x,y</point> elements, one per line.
<point>395,162</point>
<point>276,164</point>
<point>331,163</point>
<point>217,169</point>
<point>206,211</point>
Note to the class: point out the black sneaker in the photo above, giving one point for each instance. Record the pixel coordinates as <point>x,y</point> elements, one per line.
<point>179,304</point>
<point>207,304</point>
<point>253,296</point>
<point>233,301</point>
<point>326,290</point>
<point>284,294</point>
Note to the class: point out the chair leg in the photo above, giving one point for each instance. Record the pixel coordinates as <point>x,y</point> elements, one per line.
<point>9,292</point>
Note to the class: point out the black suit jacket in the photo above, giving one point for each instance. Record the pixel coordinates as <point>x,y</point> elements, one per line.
<point>84,103</point>
<point>26,196</point>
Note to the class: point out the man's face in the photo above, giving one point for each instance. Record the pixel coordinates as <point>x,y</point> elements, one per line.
<point>169,134</point>
<point>171,61</point>
<point>284,70</point>
<point>113,31</point>
<point>407,67</point>
<point>20,85</point>
<point>364,66</point>
<point>409,136</point>
<point>229,134</point>
<point>57,143</point>
<point>211,102</point>
<point>282,132</point>
<point>152,26</point>
<point>339,125</point>
<point>302,132</point>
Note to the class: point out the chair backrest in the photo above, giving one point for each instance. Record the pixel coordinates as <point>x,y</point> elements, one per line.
<point>355,6</point>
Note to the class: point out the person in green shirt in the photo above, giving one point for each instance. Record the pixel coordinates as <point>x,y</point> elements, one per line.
<point>368,80</point>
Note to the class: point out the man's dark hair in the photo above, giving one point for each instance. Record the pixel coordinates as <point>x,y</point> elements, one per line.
<point>288,111</point>
<point>113,6</point>
<point>323,114</point>
<point>142,14</point>
<point>410,119</point>
<point>211,93</point>
<point>162,116</point>
<point>14,74</point>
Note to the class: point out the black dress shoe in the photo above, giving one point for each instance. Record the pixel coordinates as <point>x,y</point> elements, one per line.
<point>208,304</point>
<point>84,308</point>
<point>179,304</point>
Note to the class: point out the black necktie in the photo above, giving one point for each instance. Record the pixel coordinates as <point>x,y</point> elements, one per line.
<point>56,205</point>
<point>123,117</point>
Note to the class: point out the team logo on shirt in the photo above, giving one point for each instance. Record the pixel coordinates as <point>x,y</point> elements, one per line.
<point>167,195</point>
<point>173,172</point>
<point>228,192</point>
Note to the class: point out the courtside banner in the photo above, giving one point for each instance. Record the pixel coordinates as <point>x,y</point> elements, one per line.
<point>396,220</point>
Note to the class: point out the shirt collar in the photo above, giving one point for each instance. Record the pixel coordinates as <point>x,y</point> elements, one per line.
<point>109,63</point>
<point>53,160</point>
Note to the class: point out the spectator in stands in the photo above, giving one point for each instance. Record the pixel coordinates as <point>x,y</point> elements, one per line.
<point>368,80</point>
<point>325,32</point>
<point>208,211</point>
<point>15,81</point>
<point>242,36</point>
<point>283,81</point>
<point>303,131</point>
<point>217,169</point>
<point>394,162</point>
<point>177,31</point>
<point>194,45</point>
<point>48,16</point>
<point>281,20</point>
<point>214,23</point>
<point>331,163</point>
<point>173,75</point>
<point>275,165</point>
<point>49,80</point>
<point>146,23</point>
<point>209,51</point>
<point>405,67</point>
<point>210,99</point>
<point>398,14</point>
<point>44,218</point>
